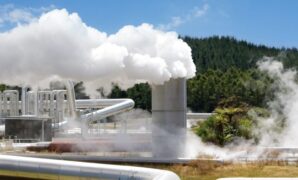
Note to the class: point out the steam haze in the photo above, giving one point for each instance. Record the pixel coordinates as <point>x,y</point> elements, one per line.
<point>277,130</point>
<point>281,128</point>
<point>59,45</point>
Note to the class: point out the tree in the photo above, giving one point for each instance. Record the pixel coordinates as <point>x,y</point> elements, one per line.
<point>117,92</point>
<point>140,93</point>
<point>80,91</point>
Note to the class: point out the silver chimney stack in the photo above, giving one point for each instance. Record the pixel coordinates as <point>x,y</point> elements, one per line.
<point>169,118</point>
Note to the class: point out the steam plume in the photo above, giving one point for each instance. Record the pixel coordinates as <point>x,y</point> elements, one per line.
<point>278,130</point>
<point>59,45</point>
<point>281,128</point>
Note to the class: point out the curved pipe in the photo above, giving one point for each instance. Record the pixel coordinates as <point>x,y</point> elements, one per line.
<point>121,106</point>
<point>38,167</point>
<point>111,107</point>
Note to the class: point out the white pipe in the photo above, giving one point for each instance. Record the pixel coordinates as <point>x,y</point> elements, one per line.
<point>198,115</point>
<point>59,124</point>
<point>120,106</point>
<point>71,98</point>
<point>13,96</point>
<point>24,100</point>
<point>59,168</point>
<point>2,129</point>
<point>102,103</point>
<point>97,103</point>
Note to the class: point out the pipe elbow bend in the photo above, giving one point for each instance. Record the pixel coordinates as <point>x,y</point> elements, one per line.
<point>167,175</point>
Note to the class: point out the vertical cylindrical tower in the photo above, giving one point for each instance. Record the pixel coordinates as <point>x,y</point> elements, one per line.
<point>169,118</point>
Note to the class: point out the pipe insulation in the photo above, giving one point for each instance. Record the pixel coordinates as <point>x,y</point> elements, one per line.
<point>58,169</point>
<point>71,98</point>
<point>121,105</point>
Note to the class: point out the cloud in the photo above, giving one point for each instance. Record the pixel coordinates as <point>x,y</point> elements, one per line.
<point>9,14</point>
<point>177,21</point>
<point>199,12</point>
<point>19,15</point>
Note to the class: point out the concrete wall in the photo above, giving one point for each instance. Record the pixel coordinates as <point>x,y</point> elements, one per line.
<point>169,118</point>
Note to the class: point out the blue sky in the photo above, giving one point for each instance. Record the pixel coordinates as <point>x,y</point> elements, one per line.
<point>269,22</point>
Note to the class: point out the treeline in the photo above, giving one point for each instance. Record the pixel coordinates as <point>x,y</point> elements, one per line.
<point>225,52</point>
<point>207,89</point>
<point>140,93</point>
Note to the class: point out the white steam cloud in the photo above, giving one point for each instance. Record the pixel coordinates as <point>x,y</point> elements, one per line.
<point>59,45</point>
<point>277,131</point>
<point>281,128</point>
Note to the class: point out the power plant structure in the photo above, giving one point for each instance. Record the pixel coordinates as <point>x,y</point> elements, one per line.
<point>38,116</point>
<point>46,117</point>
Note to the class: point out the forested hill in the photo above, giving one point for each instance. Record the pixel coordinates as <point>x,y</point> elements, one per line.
<point>225,52</point>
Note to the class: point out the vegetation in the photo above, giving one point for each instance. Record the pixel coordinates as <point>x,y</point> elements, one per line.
<point>207,89</point>
<point>140,93</point>
<point>231,121</point>
<point>226,52</point>
<point>80,91</point>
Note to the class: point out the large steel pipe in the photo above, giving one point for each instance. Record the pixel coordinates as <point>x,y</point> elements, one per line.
<point>120,106</point>
<point>71,98</point>
<point>59,169</point>
<point>97,103</point>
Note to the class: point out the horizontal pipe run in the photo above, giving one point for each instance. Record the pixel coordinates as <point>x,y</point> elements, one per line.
<point>98,103</point>
<point>60,168</point>
<point>87,103</point>
<point>198,115</point>
<point>121,106</point>
<point>102,103</point>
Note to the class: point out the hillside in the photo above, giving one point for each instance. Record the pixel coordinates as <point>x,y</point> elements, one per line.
<point>225,52</point>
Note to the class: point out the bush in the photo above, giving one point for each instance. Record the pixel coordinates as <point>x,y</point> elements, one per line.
<point>232,119</point>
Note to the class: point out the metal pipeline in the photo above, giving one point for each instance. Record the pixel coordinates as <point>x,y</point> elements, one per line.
<point>71,98</point>
<point>2,129</point>
<point>97,103</point>
<point>198,115</point>
<point>116,106</point>
<point>58,169</point>
<point>24,100</point>
<point>10,103</point>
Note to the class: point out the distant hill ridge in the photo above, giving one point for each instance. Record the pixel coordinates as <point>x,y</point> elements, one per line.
<point>224,52</point>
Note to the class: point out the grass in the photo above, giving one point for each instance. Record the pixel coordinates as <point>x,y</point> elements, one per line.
<point>209,170</point>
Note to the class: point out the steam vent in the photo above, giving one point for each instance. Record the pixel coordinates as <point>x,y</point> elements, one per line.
<point>169,118</point>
